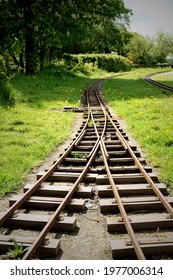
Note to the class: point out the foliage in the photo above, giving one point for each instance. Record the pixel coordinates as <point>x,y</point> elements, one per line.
<point>79,155</point>
<point>169,59</point>
<point>114,63</point>
<point>144,50</point>
<point>163,46</point>
<point>6,96</point>
<point>107,62</point>
<point>139,49</point>
<point>37,29</point>
<point>17,251</point>
<point>3,72</point>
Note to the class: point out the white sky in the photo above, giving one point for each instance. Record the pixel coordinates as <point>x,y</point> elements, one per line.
<point>151,16</point>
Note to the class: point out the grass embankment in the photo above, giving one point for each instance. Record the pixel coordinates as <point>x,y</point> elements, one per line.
<point>36,124</point>
<point>165,78</point>
<point>148,112</point>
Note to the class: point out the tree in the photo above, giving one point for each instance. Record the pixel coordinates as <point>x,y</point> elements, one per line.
<point>163,46</point>
<point>140,49</point>
<point>33,27</point>
<point>150,50</point>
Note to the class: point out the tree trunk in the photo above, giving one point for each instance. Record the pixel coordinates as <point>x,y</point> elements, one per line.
<point>30,46</point>
<point>30,54</point>
<point>42,56</point>
<point>21,60</point>
<point>14,58</point>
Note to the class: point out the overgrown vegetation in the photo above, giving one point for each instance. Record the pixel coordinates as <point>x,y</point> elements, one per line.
<point>79,155</point>
<point>107,62</point>
<point>145,50</point>
<point>6,96</point>
<point>17,251</point>
<point>35,30</point>
<point>148,112</point>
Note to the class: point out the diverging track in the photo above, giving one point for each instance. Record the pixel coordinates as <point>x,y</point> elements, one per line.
<point>131,197</point>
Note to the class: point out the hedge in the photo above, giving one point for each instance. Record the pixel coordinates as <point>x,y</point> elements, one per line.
<point>108,62</point>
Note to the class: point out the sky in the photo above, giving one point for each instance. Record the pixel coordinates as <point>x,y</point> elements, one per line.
<point>151,16</point>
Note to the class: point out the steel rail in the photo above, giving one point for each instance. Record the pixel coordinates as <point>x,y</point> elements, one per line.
<point>122,140</point>
<point>154,187</point>
<point>129,228</point>
<point>145,174</point>
<point>124,215</point>
<point>92,118</point>
<point>33,248</point>
<point>158,84</point>
<point>28,193</point>
<point>99,143</point>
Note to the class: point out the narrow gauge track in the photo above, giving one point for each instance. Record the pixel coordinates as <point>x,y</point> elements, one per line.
<point>149,79</point>
<point>100,154</point>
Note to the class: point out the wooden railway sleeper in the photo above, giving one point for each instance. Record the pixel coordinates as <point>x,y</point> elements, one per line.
<point>93,114</point>
<point>129,228</point>
<point>57,212</point>
<point>145,174</point>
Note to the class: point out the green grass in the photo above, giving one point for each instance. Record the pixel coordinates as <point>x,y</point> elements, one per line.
<point>36,124</point>
<point>166,78</point>
<point>148,111</point>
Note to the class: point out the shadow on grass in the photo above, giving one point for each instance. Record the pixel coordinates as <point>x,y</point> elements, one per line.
<point>57,85</point>
<point>48,86</point>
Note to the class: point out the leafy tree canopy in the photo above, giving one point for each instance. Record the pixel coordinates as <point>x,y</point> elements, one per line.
<point>32,28</point>
<point>150,50</point>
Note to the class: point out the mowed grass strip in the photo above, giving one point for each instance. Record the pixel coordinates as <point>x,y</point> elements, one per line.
<point>31,129</point>
<point>148,112</point>
<point>165,78</point>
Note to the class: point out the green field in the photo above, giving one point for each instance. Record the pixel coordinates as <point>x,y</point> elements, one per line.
<point>165,78</point>
<point>36,124</point>
<point>148,112</point>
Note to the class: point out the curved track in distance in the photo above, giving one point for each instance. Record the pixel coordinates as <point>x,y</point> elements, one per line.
<point>149,79</point>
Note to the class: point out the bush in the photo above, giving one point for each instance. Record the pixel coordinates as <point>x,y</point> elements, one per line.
<point>3,72</point>
<point>108,62</point>
<point>6,97</point>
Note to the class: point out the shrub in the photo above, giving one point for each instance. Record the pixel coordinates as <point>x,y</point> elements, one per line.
<point>108,62</point>
<point>6,97</point>
<point>3,72</point>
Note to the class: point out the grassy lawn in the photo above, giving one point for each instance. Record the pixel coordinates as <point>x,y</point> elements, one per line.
<point>165,78</point>
<point>148,111</point>
<point>36,124</point>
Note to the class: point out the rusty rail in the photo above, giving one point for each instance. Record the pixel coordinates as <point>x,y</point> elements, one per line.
<point>124,215</point>
<point>90,158</point>
<point>158,193</point>
<point>61,207</point>
<point>149,79</point>
<point>27,194</point>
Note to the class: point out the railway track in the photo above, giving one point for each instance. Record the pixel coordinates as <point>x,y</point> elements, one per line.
<point>149,79</point>
<point>100,160</point>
